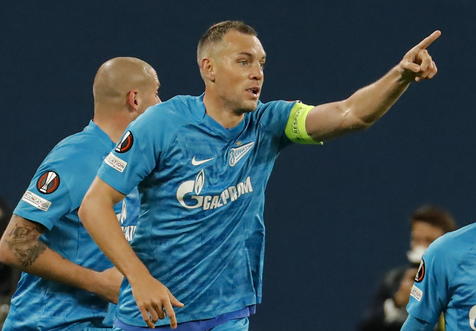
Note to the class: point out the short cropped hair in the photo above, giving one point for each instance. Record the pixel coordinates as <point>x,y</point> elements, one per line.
<point>216,32</point>
<point>435,216</point>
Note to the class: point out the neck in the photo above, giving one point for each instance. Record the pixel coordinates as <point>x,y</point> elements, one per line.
<point>220,111</point>
<point>112,122</point>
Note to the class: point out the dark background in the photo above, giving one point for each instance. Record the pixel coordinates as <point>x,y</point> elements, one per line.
<point>337,215</point>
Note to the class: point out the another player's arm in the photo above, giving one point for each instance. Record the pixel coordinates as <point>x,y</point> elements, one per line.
<point>152,297</point>
<point>22,247</point>
<point>367,105</point>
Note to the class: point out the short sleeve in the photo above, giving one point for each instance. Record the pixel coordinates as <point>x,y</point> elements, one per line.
<point>274,115</point>
<point>429,294</point>
<point>136,154</point>
<point>47,198</point>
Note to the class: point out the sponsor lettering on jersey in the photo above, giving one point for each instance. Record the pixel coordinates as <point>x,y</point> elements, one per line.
<point>129,230</point>
<point>36,201</point>
<point>126,143</point>
<point>115,162</point>
<point>193,188</point>
<point>236,154</point>
<point>48,182</point>
<point>472,317</point>
<point>416,293</point>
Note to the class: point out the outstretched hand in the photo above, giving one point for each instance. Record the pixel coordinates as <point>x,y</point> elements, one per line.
<point>417,63</point>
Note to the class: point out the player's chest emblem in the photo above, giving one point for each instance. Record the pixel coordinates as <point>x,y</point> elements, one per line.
<point>237,153</point>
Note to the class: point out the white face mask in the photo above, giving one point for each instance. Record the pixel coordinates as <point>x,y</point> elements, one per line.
<point>415,254</point>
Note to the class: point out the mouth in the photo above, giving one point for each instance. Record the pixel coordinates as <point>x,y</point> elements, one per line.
<point>254,91</point>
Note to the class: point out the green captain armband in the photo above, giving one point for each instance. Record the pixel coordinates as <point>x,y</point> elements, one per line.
<point>296,127</point>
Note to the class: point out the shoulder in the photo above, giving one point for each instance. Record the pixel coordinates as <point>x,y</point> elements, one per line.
<point>272,115</point>
<point>75,158</point>
<point>65,149</point>
<point>453,245</point>
<point>179,109</point>
<point>270,106</point>
<point>74,150</point>
<point>161,123</point>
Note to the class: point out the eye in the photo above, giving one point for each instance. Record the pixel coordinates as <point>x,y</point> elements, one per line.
<point>243,62</point>
<point>262,64</point>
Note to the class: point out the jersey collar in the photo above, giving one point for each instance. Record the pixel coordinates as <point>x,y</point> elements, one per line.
<point>100,134</point>
<point>217,127</point>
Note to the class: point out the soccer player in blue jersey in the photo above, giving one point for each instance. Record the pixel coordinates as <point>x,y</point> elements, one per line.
<point>445,283</point>
<point>67,281</point>
<point>202,165</point>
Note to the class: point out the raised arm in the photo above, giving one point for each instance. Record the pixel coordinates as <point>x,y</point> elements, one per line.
<point>22,247</point>
<point>367,105</point>
<point>152,297</point>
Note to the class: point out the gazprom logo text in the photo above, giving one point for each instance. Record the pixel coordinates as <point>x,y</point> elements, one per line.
<point>191,189</point>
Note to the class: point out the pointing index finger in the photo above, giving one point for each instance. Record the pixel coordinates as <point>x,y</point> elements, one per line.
<point>425,43</point>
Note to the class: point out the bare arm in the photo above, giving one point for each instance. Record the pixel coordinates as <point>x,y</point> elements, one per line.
<point>21,247</point>
<point>367,105</point>
<point>151,296</point>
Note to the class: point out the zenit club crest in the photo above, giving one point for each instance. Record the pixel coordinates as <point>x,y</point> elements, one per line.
<point>236,154</point>
<point>48,182</point>
<point>421,272</point>
<point>126,143</point>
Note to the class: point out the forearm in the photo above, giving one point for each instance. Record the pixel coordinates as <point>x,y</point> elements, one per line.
<point>21,247</point>
<point>368,104</point>
<point>107,233</point>
<point>358,111</point>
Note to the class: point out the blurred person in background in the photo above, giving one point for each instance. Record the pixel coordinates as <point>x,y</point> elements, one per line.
<point>445,284</point>
<point>387,311</point>
<point>8,275</point>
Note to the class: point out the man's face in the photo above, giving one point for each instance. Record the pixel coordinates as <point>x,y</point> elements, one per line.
<point>423,234</point>
<point>238,67</point>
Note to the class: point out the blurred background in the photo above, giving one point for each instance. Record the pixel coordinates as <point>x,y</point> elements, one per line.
<point>337,215</point>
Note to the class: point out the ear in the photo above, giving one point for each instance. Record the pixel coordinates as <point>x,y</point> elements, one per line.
<point>133,100</point>
<point>207,69</point>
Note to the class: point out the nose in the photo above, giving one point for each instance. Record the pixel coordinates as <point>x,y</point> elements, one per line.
<point>256,72</point>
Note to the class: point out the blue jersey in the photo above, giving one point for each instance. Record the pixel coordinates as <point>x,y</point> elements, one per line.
<point>52,199</point>
<point>200,230</point>
<point>446,281</point>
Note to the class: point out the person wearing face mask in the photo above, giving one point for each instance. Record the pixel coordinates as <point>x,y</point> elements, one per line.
<point>387,310</point>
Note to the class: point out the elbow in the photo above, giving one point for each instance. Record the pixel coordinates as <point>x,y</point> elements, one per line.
<point>83,211</point>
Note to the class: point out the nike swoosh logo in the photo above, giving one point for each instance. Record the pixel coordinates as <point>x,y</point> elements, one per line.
<point>198,162</point>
